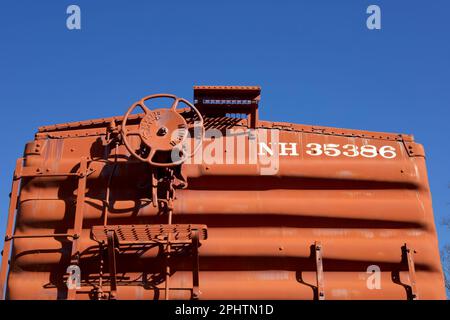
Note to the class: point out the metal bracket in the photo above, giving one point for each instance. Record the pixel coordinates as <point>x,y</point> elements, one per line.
<point>112,132</point>
<point>412,271</point>
<point>112,263</point>
<point>319,270</point>
<point>412,148</point>
<point>195,266</point>
<point>154,188</point>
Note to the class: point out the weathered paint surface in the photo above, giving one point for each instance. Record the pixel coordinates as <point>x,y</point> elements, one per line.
<point>262,229</point>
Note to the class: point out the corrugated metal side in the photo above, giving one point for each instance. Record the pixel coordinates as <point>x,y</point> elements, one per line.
<point>261,229</point>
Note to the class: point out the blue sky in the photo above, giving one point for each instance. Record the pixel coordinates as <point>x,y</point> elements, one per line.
<point>316,61</point>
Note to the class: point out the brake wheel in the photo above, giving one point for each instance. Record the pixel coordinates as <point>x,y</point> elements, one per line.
<point>163,132</point>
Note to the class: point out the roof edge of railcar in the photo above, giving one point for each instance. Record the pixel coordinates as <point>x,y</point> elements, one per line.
<point>284,126</point>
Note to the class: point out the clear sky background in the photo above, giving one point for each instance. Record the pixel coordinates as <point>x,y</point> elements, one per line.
<point>316,61</point>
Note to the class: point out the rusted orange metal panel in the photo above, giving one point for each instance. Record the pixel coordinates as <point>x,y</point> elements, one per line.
<point>313,213</point>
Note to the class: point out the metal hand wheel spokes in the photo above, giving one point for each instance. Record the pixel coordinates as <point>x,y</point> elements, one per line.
<point>162,130</point>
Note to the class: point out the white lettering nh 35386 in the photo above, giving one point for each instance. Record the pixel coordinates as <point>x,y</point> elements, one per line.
<point>284,149</point>
<point>327,149</point>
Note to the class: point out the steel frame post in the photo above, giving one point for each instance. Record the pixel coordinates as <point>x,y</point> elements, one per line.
<point>112,263</point>
<point>195,267</point>
<point>9,227</point>
<point>78,221</point>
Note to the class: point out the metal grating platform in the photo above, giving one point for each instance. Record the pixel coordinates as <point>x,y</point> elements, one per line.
<point>150,233</point>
